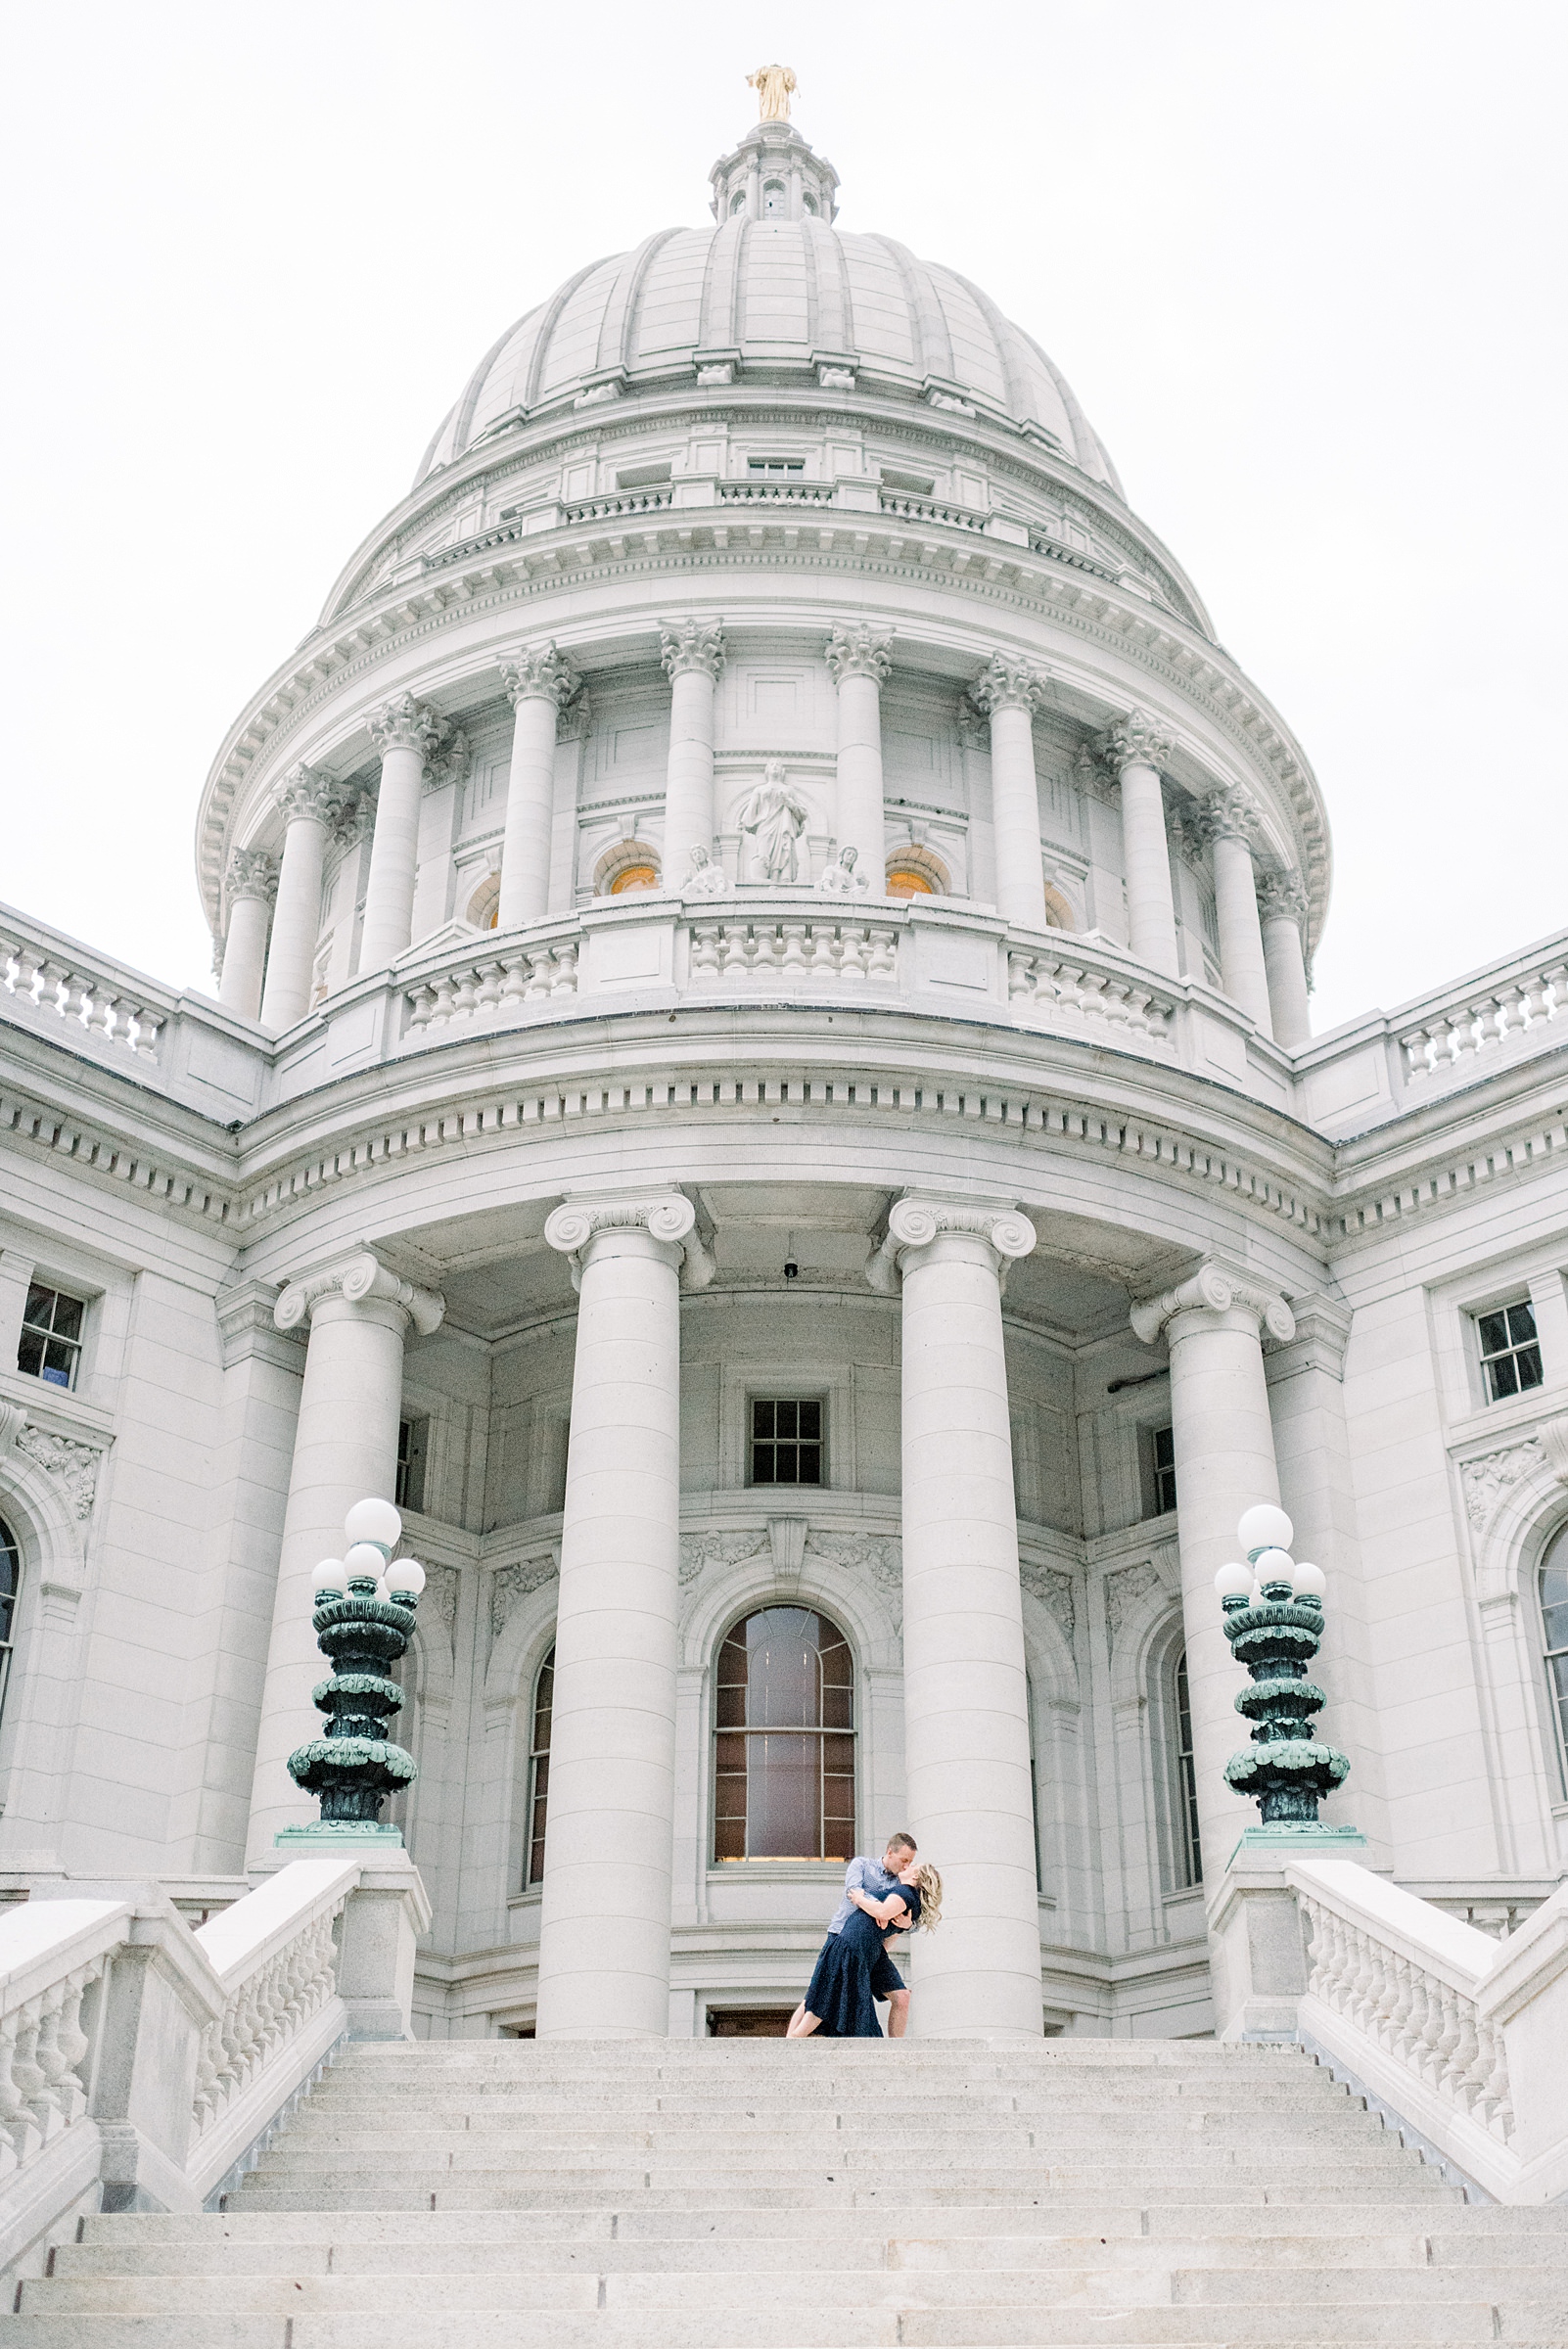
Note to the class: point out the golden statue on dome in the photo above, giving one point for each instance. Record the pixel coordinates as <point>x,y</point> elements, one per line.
<point>773,85</point>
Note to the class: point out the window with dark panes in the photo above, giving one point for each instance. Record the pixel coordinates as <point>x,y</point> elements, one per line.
<point>10,1583</point>
<point>51,1336</point>
<point>1162,1450</point>
<point>787,1443</point>
<point>408,1486</point>
<point>1189,1850</point>
<point>784,1739</point>
<point>1511,1351</point>
<point>1553,1589</point>
<point>540,1769</point>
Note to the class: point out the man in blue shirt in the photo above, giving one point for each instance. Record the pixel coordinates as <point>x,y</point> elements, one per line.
<point>867,1880</point>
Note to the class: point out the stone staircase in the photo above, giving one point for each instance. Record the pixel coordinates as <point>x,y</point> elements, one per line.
<point>705,2195</point>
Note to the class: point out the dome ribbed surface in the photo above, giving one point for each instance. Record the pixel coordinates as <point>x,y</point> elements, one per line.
<point>781,295</point>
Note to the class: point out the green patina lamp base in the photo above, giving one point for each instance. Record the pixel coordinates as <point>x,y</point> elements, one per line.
<point>341,1830</point>
<point>1299,1836</point>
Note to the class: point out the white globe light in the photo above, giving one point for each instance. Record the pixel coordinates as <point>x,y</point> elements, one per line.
<point>363,1560</point>
<point>330,1580</point>
<point>1310,1581</point>
<point>1233,1581</point>
<point>1263,1528</point>
<point>374,1521</point>
<point>405,1575</point>
<point>1275,1566</point>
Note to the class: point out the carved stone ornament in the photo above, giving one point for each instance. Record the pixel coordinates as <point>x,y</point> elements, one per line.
<point>1054,1590</point>
<point>252,873</point>
<point>858,652</point>
<point>1227,814</point>
<point>514,1583</point>
<point>357,1278</point>
<point>440,1598</point>
<point>1124,1591</point>
<point>774,85</point>
<point>540,672</point>
<point>1214,1289</point>
<point>770,820</point>
<point>668,1216</point>
<point>839,878</point>
<point>1006,685</point>
<point>405,724</point>
<point>698,1551</point>
<point>1091,776</point>
<point>1281,898</point>
<point>1491,1475</point>
<point>915,1222</point>
<point>879,1556</point>
<point>706,879</point>
<point>448,762</point>
<point>1135,740</point>
<point>304,794</point>
<point>692,644</point>
<point>74,1466</point>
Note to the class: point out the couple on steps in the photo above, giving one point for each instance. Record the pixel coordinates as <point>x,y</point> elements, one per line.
<point>880,1899</point>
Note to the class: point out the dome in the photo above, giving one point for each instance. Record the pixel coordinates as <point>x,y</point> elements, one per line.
<point>773,291</point>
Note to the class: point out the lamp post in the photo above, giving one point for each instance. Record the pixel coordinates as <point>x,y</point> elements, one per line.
<point>1274,1620</point>
<point>364,1615</point>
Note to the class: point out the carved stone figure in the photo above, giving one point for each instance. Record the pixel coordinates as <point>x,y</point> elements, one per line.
<point>773,85</point>
<point>771,821</point>
<point>705,878</point>
<point>839,878</point>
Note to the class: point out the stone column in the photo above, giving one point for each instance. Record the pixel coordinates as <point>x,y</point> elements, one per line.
<point>604,1925</point>
<point>1008,694</point>
<point>407,734</point>
<point>252,881</point>
<point>970,1797</point>
<point>1134,749</point>
<point>539,682</point>
<point>693,654</point>
<point>1285,927</point>
<point>312,803</point>
<point>1235,901</point>
<point>1225,1462</point>
<point>344,1450</point>
<point>858,662</point>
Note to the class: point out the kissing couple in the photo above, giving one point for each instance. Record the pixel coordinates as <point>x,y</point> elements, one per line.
<point>881,1898</point>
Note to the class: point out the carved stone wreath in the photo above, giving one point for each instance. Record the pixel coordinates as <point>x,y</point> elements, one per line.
<point>514,1583</point>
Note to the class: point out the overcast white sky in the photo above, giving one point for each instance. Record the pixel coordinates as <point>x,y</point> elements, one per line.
<point>1303,264</point>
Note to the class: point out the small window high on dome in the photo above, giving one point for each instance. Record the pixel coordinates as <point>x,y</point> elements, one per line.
<point>775,200</point>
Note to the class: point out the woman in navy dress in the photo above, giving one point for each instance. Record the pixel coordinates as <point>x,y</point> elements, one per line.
<point>855,1970</point>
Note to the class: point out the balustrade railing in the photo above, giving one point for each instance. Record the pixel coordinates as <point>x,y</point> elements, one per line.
<point>57,977</point>
<point>765,948</point>
<point>1070,989</point>
<point>273,1991</point>
<point>1457,1033</point>
<point>494,985</point>
<point>926,508</point>
<point>765,492</point>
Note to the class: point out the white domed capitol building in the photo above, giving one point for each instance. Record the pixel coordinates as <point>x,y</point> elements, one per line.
<point>761,1090</point>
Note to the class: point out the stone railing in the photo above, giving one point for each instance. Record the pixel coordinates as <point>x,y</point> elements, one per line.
<point>768,948</point>
<point>773,492</point>
<point>926,508</point>
<point>1461,2040</point>
<point>1065,988</point>
<point>142,2065</point>
<point>48,974</point>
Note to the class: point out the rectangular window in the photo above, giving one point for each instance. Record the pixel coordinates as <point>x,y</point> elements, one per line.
<point>776,464</point>
<point>408,1489</point>
<point>51,1336</point>
<point>787,1443</point>
<point>1190,1850</point>
<point>1162,1470</point>
<point>1511,1351</point>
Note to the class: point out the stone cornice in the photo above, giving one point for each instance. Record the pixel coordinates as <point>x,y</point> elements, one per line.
<point>1098,611</point>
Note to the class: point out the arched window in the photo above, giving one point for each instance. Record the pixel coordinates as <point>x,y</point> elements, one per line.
<point>10,1583</point>
<point>540,1769</point>
<point>1183,1776</point>
<point>1554,1629</point>
<point>774,199</point>
<point>784,1739</point>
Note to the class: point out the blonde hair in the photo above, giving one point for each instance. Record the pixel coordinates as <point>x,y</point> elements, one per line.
<point>930,1883</point>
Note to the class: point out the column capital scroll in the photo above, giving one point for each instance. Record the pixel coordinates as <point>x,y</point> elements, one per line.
<point>666,1217</point>
<point>916,1222</point>
<point>1004,684</point>
<point>252,873</point>
<point>692,644</point>
<point>540,672</point>
<point>407,724</point>
<point>1135,740</point>
<point>861,651</point>
<point>1214,1289</point>
<point>356,1278</point>
<point>306,793</point>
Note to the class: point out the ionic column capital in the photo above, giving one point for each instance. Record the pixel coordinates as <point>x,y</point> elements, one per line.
<point>915,1224</point>
<point>1215,1289</point>
<point>358,1278</point>
<point>666,1217</point>
<point>1281,898</point>
<point>861,651</point>
<point>1006,685</point>
<point>1135,740</point>
<point>306,793</point>
<point>540,672</point>
<point>405,724</point>
<point>692,645</point>
<point>252,873</point>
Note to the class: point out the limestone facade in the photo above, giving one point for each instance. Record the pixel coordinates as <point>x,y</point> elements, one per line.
<point>572,1092</point>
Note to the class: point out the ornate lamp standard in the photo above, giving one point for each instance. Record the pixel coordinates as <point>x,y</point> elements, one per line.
<point>1274,1620</point>
<point>364,1615</point>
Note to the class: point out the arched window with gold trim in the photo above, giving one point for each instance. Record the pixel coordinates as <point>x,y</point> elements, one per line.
<point>630,864</point>
<point>784,1739</point>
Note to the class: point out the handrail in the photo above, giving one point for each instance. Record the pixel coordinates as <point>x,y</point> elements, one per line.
<point>42,969</point>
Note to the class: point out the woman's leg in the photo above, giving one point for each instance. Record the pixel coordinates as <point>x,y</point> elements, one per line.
<point>801,2024</point>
